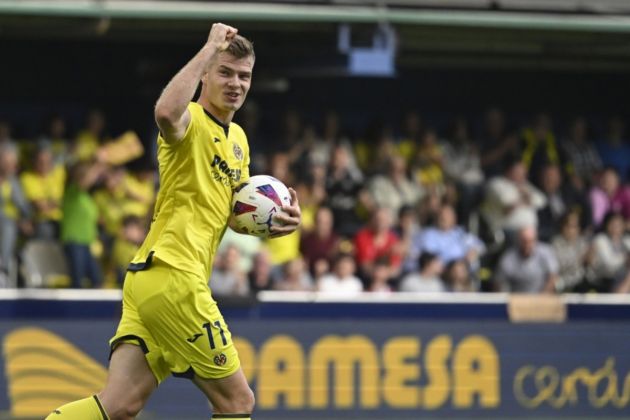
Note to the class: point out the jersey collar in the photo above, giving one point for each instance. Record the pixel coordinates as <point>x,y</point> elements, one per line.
<point>226,128</point>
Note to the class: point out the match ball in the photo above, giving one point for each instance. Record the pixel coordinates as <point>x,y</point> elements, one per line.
<point>255,202</point>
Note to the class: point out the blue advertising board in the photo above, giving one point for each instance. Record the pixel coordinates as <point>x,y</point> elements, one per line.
<point>364,368</point>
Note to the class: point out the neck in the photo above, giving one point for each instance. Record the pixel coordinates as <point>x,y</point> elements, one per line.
<point>223,116</point>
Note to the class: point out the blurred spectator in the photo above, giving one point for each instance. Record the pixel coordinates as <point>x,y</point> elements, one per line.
<point>295,277</point>
<point>609,195</point>
<point>527,267</point>
<point>342,281</point>
<point>511,201</point>
<point>375,148</point>
<point>572,251</point>
<point>282,250</point>
<point>377,241</point>
<point>394,189</point>
<point>126,245</point>
<point>260,274</point>
<point>448,241</point>
<point>55,134</point>
<point>290,132</point>
<point>43,188</point>
<point>345,193</point>
<point>227,278</point>
<point>320,246</point>
<point>111,201</point>
<point>427,165</point>
<point>14,210</point>
<point>79,224</point>
<point>582,159</point>
<point>614,150</point>
<point>312,195</point>
<point>412,132</point>
<point>88,140</point>
<point>611,251</point>
<point>5,133</point>
<point>559,197</point>
<point>462,165</point>
<point>279,167</point>
<point>249,247</point>
<point>379,283</point>
<point>539,145</point>
<point>498,146</point>
<point>140,188</point>
<point>407,229</point>
<point>457,277</point>
<point>427,278</point>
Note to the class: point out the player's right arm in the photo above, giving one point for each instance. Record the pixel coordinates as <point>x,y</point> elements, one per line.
<point>171,110</point>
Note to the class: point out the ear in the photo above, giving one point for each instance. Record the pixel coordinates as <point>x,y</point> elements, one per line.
<point>204,78</point>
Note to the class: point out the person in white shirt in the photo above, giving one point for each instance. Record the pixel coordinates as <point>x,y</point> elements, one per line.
<point>342,281</point>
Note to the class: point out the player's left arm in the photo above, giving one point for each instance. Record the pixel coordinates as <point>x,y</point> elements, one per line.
<point>289,220</point>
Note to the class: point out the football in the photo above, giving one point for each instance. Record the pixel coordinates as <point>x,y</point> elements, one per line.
<point>255,202</point>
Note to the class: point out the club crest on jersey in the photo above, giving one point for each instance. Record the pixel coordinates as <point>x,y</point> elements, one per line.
<point>220,359</point>
<point>238,152</point>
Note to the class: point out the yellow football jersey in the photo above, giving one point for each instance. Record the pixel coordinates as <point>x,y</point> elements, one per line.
<point>197,178</point>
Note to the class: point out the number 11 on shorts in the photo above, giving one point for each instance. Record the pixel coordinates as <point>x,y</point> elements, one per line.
<point>208,328</point>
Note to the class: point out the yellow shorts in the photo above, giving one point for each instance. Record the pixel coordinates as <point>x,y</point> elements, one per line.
<point>172,316</point>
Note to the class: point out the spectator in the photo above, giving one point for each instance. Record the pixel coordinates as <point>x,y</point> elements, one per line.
<point>394,189</point>
<point>407,229</point>
<point>511,202</point>
<point>126,245</point>
<point>14,211</point>
<point>342,280</point>
<point>320,246</point>
<point>43,188</point>
<point>582,158</point>
<point>539,145</point>
<point>227,278</point>
<point>376,241</point>
<point>462,165</point>
<point>295,277</point>
<point>572,251</point>
<point>449,241</point>
<point>140,188</point>
<point>380,278</point>
<point>55,135</point>
<point>112,202</point>
<point>345,193</point>
<point>413,131</point>
<point>497,145</point>
<point>427,165</point>
<point>375,148</point>
<point>90,139</point>
<point>260,274</point>
<point>615,150</point>
<point>282,250</point>
<point>5,133</point>
<point>427,278</point>
<point>79,224</point>
<point>527,267</point>
<point>611,251</point>
<point>457,277</point>
<point>248,247</point>
<point>609,195</point>
<point>560,198</point>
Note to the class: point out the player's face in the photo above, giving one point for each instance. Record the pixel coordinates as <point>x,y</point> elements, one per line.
<point>227,83</point>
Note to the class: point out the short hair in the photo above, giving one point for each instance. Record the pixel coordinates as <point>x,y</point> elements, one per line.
<point>241,47</point>
<point>425,259</point>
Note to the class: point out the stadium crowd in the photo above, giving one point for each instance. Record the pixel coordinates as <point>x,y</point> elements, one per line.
<point>531,209</point>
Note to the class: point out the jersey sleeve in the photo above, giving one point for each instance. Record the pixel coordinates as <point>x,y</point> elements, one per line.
<point>193,125</point>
